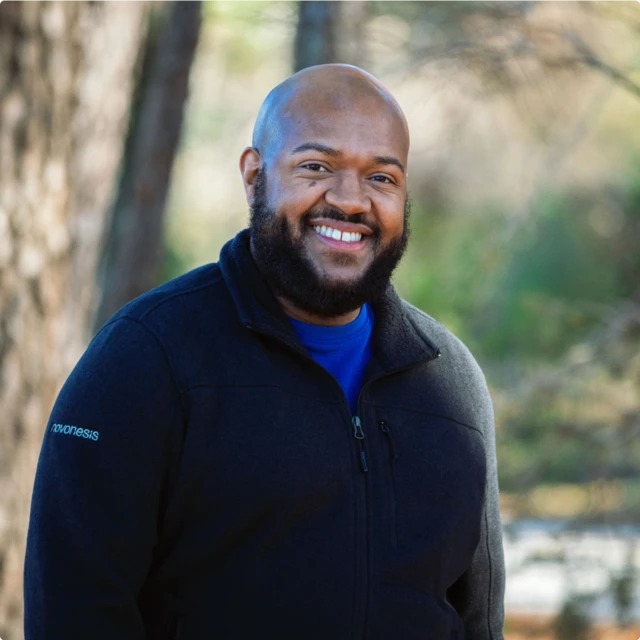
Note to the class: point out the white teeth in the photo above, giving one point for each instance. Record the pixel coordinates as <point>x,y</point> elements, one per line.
<point>344,236</point>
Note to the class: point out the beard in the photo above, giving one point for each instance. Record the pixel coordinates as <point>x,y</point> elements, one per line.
<point>290,273</point>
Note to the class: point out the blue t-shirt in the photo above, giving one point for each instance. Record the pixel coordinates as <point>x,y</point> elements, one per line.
<point>343,351</point>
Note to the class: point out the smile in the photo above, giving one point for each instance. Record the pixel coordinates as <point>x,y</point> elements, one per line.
<point>335,234</point>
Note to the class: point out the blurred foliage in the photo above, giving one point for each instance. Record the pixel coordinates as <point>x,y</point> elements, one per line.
<point>622,587</point>
<point>573,623</point>
<point>247,30</point>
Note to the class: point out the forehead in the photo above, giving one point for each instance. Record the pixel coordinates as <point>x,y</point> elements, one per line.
<point>364,124</point>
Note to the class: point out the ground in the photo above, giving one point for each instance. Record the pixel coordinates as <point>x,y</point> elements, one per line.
<point>536,628</point>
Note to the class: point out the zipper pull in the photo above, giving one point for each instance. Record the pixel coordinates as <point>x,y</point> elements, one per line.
<point>363,461</point>
<point>358,434</point>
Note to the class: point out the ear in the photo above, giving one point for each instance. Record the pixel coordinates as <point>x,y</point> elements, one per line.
<point>250,165</point>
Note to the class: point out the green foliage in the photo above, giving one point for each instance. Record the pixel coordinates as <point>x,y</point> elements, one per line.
<point>554,286</point>
<point>529,299</point>
<point>450,267</point>
<point>174,264</point>
<point>627,239</point>
<point>248,30</point>
<point>622,588</point>
<point>573,623</point>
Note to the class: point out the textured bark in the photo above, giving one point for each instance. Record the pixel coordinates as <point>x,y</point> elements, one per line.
<point>134,248</point>
<point>66,71</point>
<point>316,33</point>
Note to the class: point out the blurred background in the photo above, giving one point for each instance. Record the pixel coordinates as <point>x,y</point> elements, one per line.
<point>121,125</point>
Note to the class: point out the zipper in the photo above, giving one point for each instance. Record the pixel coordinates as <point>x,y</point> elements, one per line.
<point>358,434</point>
<point>363,534</point>
<point>393,456</point>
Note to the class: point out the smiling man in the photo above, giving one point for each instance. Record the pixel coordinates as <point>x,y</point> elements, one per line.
<point>280,446</point>
<point>333,225</point>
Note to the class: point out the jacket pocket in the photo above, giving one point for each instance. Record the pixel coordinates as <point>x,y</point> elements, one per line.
<point>393,503</point>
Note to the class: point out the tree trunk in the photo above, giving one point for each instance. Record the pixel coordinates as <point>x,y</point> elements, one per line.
<point>133,252</point>
<point>315,35</point>
<point>65,85</point>
<point>350,32</point>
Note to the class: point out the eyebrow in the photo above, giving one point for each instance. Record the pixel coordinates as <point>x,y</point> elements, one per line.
<point>315,146</point>
<point>330,151</point>
<point>389,160</point>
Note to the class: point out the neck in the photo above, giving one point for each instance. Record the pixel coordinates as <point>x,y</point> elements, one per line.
<point>310,318</point>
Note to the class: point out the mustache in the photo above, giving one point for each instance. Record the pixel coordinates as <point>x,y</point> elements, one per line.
<point>332,213</point>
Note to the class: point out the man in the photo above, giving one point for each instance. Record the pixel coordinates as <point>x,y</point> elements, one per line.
<point>276,445</point>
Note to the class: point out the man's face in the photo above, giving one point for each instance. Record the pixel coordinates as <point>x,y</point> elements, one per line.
<point>329,214</point>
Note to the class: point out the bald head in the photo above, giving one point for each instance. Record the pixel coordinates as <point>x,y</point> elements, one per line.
<point>319,93</point>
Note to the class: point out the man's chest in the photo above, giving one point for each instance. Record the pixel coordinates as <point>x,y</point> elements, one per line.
<point>290,450</point>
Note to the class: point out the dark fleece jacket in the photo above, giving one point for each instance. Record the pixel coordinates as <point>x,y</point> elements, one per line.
<point>202,477</point>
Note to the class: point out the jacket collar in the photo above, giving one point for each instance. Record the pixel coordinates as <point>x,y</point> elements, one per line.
<point>397,342</point>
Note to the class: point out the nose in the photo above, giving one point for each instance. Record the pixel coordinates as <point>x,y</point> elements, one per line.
<point>347,194</point>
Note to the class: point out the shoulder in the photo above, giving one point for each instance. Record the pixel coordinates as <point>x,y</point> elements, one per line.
<point>174,298</point>
<point>456,366</point>
<point>171,310</point>
<point>188,319</point>
<point>450,345</point>
<point>187,306</point>
<point>160,312</point>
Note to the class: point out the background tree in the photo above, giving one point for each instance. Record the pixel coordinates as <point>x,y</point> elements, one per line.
<point>66,77</point>
<point>135,241</point>
<point>328,31</point>
<point>315,41</point>
<point>351,36</point>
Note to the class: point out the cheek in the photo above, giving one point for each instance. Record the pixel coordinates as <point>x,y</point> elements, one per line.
<point>295,202</point>
<point>391,220</point>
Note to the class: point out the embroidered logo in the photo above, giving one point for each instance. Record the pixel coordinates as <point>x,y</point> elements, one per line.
<point>71,430</point>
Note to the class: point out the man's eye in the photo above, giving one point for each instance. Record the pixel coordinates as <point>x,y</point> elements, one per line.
<point>314,166</point>
<point>383,179</point>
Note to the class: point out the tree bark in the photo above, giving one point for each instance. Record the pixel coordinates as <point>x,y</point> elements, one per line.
<point>65,86</point>
<point>315,34</point>
<point>134,249</point>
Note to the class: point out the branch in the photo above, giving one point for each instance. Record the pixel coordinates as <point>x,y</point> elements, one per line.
<point>586,56</point>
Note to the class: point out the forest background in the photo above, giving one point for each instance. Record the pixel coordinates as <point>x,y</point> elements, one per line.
<point>120,129</point>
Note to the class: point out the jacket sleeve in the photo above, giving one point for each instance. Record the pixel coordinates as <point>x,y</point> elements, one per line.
<point>478,595</point>
<point>99,483</point>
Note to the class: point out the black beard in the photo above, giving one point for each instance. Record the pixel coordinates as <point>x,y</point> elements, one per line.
<point>290,273</point>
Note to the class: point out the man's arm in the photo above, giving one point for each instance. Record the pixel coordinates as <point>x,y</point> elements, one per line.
<point>99,482</point>
<point>478,595</point>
